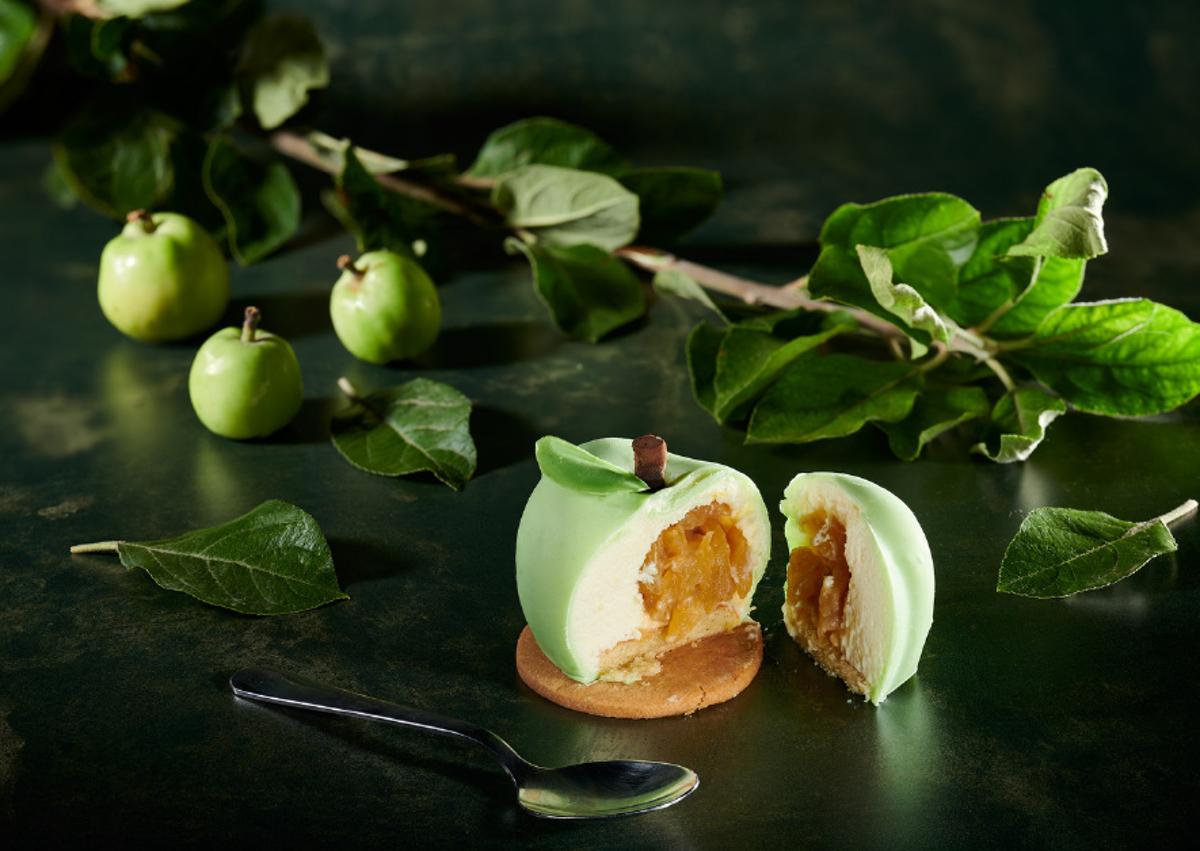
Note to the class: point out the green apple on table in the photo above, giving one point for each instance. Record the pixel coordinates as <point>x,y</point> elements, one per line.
<point>162,278</point>
<point>245,382</point>
<point>384,307</point>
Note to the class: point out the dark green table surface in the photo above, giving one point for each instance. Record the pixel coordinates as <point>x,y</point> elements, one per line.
<point>1067,723</point>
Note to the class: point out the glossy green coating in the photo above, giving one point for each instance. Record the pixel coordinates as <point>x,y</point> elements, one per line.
<point>567,537</point>
<point>164,281</point>
<point>245,388</point>
<point>385,308</point>
<point>892,554</point>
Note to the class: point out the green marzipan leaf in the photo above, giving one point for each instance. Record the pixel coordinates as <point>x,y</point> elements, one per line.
<point>928,237</point>
<point>1021,417</point>
<point>419,426</point>
<point>703,346</point>
<point>1069,220</point>
<point>259,202</point>
<point>117,159</point>
<point>380,219</point>
<point>1127,357</point>
<point>818,397</point>
<point>579,470</point>
<point>754,352</point>
<point>589,292</point>
<point>936,411</point>
<point>900,299</point>
<point>672,201</point>
<point>682,285</point>
<point>271,561</point>
<point>1058,552</point>
<point>544,141</point>
<point>18,22</point>
<point>564,207</point>
<point>283,59</point>
<point>990,279</point>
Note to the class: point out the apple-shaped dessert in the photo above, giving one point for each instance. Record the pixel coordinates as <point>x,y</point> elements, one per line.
<point>859,595</point>
<point>635,571</point>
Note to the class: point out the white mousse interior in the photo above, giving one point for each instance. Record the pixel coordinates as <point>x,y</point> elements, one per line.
<point>867,616</point>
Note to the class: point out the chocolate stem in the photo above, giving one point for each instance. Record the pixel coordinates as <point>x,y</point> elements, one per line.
<point>250,324</point>
<point>650,460</point>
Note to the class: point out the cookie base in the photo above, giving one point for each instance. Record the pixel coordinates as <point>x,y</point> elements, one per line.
<point>709,671</point>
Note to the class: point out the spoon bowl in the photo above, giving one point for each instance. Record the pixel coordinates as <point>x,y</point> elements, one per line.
<point>619,787</point>
<point>589,790</point>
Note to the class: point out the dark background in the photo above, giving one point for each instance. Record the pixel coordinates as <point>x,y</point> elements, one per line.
<point>1030,723</point>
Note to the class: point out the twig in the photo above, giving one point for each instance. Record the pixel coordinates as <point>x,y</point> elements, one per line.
<point>751,292</point>
<point>298,148</point>
<point>791,296</point>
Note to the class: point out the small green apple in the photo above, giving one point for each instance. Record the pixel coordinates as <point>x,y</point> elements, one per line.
<point>384,307</point>
<point>162,278</point>
<point>245,383</point>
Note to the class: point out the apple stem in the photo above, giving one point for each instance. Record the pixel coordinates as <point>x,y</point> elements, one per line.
<point>650,460</point>
<point>346,264</point>
<point>144,219</point>
<point>250,324</point>
<point>98,547</point>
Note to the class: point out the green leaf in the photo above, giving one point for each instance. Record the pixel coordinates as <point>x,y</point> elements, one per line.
<point>97,48</point>
<point>1021,417</point>
<point>672,201</point>
<point>927,237</point>
<point>754,352</point>
<point>832,396</point>
<point>57,188</point>
<point>18,23</point>
<point>703,345</point>
<point>544,141</point>
<point>991,279</point>
<point>420,426</point>
<point>1069,219</point>
<point>1058,552</point>
<point>381,219</point>
<point>579,470</point>
<point>272,561</point>
<point>258,201</point>
<point>117,158</point>
<point>138,8</point>
<point>562,206</point>
<point>682,285</point>
<point>332,151</point>
<point>282,60</point>
<point>936,411</point>
<point>1127,357</point>
<point>589,292</point>
<point>901,300</point>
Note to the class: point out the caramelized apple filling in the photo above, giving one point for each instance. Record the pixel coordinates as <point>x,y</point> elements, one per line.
<point>819,578</point>
<point>693,568</point>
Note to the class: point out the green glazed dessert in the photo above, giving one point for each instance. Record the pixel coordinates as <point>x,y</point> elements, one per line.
<point>616,569</point>
<point>859,596</point>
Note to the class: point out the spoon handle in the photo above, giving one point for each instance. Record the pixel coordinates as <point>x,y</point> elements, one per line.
<point>272,687</point>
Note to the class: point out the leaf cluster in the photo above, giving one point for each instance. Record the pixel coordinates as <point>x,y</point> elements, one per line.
<point>981,329</point>
<point>183,89</point>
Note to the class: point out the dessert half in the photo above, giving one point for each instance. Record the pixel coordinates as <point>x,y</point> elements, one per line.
<point>859,593</point>
<point>610,581</point>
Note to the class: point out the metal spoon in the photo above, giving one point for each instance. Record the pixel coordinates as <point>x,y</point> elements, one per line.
<point>585,791</point>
